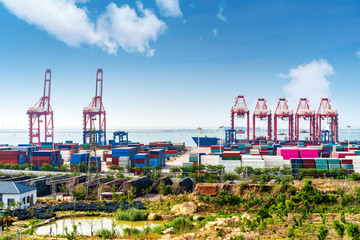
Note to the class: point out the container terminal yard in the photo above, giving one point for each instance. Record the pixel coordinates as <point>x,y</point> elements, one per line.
<point>100,168</point>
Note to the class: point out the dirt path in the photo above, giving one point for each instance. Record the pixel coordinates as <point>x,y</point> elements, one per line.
<point>178,162</point>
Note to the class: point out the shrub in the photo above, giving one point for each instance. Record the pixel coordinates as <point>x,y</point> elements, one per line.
<point>181,225</point>
<point>129,232</point>
<point>131,214</point>
<point>353,231</point>
<point>225,198</point>
<point>322,232</point>
<point>339,228</point>
<point>164,189</point>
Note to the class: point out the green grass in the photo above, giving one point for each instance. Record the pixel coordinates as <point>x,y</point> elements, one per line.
<point>129,232</point>
<point>131,214</point>
<point>105,233</point>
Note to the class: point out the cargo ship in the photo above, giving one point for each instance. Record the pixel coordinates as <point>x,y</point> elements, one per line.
<point>206,141</point>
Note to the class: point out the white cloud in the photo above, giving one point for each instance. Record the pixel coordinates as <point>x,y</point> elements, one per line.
<point>220,14</point>
<point>123,27</point>
<point>169,8</point>
<point>309,81</point>
<point>358,53</point>
<point>116,27</point>
<point>215,32</point>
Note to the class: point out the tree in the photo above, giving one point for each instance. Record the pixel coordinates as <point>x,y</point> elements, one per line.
<point>175,170</point>
<point>46,167</point>
<point>113,167</point>
<point>64,168</point>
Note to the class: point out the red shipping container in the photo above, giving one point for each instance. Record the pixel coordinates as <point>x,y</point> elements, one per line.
<point>231,154</point>
<point>308,160</point>
<point>11,161</point>
<point>139,160</point>
<point>346,161</point>
<point>343,154</point>
<point>41,162</point>
<point>35,158</point>
<point>171,152</point>
<point>350,171</point>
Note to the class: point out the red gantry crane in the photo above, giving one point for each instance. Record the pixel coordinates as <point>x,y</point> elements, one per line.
<point>263,113</point>
<point>284,113</point>
<point>325,111</point>
<point>303,111</point>
<point>240,110</point>
<point>95,109</point>
<point>42,108</point>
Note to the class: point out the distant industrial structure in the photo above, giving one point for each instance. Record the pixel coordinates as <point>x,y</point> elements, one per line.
<point>42,109</point>
<point>317,134</point>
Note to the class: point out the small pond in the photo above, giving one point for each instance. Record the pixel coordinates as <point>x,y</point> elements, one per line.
<point>84,225</point>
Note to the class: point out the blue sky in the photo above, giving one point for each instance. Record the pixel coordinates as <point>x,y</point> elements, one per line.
<point>177,64</point>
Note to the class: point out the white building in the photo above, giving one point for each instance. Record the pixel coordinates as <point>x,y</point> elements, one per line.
<point>13,193</point>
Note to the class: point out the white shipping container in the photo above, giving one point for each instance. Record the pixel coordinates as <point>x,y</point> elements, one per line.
<point>230,165</point>
<point>210,160</point>
<point>254,151</point>
<point>254,163</point>
<point>286,163</point>
<point>273,161</point>
<point>249,157</point>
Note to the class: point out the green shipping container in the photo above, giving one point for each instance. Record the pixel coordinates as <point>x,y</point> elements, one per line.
<point>348,166</point>
<point>333,161</point>
<point>332,166</point>
<point>321,161</point>
<point>296,165</point>
<point>231,158</point>
<point>322,166</point>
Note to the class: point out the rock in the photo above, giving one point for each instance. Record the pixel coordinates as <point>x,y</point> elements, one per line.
<point>272,182</point>
<point>69,207</point>
<point>139,185</point>
<point>229,182</point>
<point>45,215</point>
<point>185,208</point>
<point>221,224</point>
<point>111,206</point>
<point>139,205</point>
<point>188,236</point>
<point>210,226</point>
<point>167,237</point>
<point>185,185</point>
<point>157,182</point>
<point>169,230</point>
<point>81,207</point>
<point>92,206</point>
<point>236,219</point>
<point>198,218</point>
<point>152,216</point>
<point>250,181</point>
<point>207,189</point>
<point>245,215</point>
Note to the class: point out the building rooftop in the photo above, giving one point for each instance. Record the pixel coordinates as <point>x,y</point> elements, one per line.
<point>14,188</point>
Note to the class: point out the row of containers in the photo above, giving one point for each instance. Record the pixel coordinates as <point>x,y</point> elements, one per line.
<point>350,164</point>
<point>134,155</point>
<point>73,154</point>
<point>261,156</point>
<point>271,149</point>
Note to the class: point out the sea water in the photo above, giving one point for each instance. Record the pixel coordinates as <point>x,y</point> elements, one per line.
<point>18,136</point>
